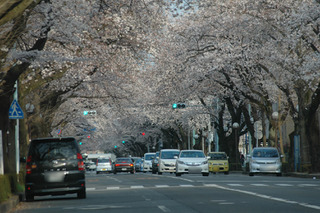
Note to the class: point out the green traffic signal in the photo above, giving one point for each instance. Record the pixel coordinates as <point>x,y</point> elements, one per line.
<point>115,146</point>
<point>178,106</point>
<point>80,143</point>
<point>123,142</point>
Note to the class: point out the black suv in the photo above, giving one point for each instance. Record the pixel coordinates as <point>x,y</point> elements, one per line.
<point>54,167</point>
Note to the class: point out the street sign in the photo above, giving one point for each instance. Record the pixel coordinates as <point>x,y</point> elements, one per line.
<point>15,111</point>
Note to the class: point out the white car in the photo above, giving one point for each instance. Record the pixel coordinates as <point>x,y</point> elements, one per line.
<point>192,162</point>
<point>265,160</point>
<point>167,160</point>
<point>147,161</point>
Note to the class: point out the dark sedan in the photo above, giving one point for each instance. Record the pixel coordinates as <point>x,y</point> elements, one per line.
<point>124,165</point>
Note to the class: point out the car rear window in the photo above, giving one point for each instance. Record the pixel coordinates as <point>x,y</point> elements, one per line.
<point>103,160</point>
<point>51,150</point>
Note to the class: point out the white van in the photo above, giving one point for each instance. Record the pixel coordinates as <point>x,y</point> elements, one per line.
<point>147,161</point>
<point>167,160</point>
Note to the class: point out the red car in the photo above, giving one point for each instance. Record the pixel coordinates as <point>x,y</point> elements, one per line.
<point>124,165</point>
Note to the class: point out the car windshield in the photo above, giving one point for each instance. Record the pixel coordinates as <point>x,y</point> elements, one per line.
<point>149,157</point>
<point>169,154</point>
<point>192,154</point>
<point>218,156</point>
<point>267,153</point>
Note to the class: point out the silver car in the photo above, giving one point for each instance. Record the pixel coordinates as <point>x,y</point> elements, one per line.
<point>192,162</point>
<point>104,165</point>
<point>265,160</point>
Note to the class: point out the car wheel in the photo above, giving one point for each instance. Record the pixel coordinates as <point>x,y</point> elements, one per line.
<point>279,174</point>
<point>226,173</point>
<point>251,174</point>
<point>114,172</point>
<point>29,197</point>
<point>178,174</point>
<point>132,172</point>
<point>205,174</point>
<point>159,173</point>
<point>97,172</point>
<point>82,194</point>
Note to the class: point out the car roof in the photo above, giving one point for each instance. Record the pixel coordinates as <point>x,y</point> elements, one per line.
<point>164,150</point>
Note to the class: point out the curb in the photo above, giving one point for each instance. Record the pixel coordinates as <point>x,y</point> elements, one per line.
<point>11,203</point>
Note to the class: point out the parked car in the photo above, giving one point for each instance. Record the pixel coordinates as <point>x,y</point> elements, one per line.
<point>104,165</point>
<point>167,160</point>
<point>54,167</point>
<point>124,165</point>
<point>147,161</point>
<point>155,163</point>
<point>192,162</point>
<point>265,160</point>
<point>218,162</point>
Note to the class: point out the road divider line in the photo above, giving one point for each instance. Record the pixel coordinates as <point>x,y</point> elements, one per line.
<point>266,196</point>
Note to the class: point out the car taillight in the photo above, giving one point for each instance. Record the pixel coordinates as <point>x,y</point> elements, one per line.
<point>131,164</point>
<point>28,165</point>
<point>117,164</point>
<point>81,166</point>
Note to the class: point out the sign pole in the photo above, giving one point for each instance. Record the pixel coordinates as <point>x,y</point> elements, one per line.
<point>17,134</point>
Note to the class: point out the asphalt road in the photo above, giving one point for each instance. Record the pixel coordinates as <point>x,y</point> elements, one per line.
<point>145,192</point>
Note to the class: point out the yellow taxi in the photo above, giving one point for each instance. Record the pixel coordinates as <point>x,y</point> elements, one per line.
<point>218,162</point>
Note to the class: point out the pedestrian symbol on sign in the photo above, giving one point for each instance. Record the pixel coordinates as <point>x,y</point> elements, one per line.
<point>15,111</point>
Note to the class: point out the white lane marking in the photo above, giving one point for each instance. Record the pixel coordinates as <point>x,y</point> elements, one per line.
<point>90,189</point>
<point>136,187</point>
<point>268,197</point>
<point>284,184</point>
<point>113,187</point>
<point>161,186</point>
<point>258,184</point>
<point>234,184</point>
<point>186,185</point>
<point>164,209</point>
<point>311,185</point>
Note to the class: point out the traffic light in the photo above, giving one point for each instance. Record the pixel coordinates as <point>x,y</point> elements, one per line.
<point>80,143</point>
<point>143,133</point>
<point>123,142</point>
<point>178,106</point>
<point>115,146</point>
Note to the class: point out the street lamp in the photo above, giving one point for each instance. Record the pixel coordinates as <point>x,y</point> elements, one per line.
<point>235,126</point>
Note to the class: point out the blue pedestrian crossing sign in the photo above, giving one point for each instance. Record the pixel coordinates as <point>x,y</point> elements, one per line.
<point>15,111</point>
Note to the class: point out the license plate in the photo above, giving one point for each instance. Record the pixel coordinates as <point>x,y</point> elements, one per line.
<point>54,176</point>
<point>124,169</point>
<point>103,169</point>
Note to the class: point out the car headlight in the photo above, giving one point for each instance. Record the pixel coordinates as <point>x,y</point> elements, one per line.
<point>205,162</point>
<point>180,162</point>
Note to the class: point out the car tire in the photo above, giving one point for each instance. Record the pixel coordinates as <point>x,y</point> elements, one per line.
<point>159,173</point>
<point>29,197</point>
<point>205,174</point>
<point>114,172</point>
<point>279,174</point>
<point>97,172</point>
<point>251,174</point>
<point>226,173</point>
<point>178,174</point>
<point>82,194</point>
